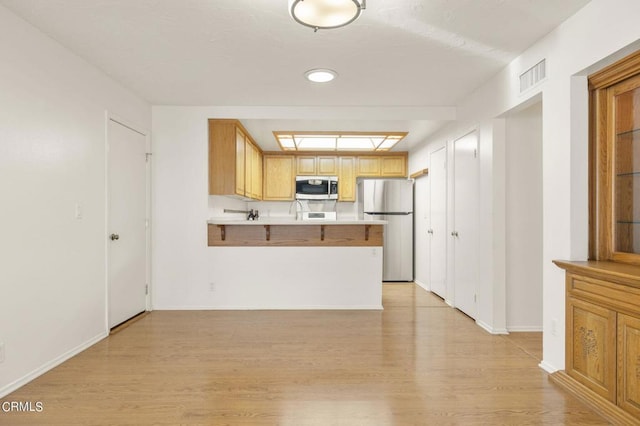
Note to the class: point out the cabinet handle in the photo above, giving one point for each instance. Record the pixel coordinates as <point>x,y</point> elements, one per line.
<point>454,234</point>
<point>114,237</point>
<point>430,231</point>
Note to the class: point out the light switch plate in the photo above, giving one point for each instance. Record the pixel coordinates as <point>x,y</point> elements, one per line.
<point>78,213</point>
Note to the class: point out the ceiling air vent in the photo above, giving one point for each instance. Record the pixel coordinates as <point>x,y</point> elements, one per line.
<point>533,75</point>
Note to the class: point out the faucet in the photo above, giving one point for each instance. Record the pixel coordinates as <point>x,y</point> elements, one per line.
<point>253,215</point>
<point>297,203</point>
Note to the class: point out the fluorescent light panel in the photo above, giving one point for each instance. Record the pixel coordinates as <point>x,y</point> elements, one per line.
<point>334,141</point>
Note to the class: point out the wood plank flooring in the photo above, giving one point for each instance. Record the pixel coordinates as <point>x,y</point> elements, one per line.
<point>418,362</point>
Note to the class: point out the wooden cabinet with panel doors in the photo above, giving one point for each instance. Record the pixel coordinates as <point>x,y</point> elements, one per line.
<point>347,167</point>
<point>235,160</point>
<point>602,321</point>
<point>346,178</point>
<point>388,165</point>
<point>320,165</point>
<point>279,177</point>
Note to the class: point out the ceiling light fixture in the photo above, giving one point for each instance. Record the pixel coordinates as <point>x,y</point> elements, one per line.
<point>320,75</point>
<point>337,141</point>
<point>326,14</point>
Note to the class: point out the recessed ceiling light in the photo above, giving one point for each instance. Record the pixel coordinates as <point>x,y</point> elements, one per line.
<point>320,75</point>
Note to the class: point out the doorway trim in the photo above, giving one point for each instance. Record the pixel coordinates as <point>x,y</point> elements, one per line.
<point>109,116</point>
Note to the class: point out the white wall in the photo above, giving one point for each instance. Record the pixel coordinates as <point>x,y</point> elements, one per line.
<point>52,156</point>
<point>524,219</point>
<point>582,44</point>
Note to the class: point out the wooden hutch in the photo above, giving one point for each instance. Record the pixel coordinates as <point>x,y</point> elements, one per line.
<point>602,365</point>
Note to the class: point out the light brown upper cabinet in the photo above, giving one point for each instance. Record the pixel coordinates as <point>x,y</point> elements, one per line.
<point>279,177</point>
<point>382,165</point>
<point>310,165</point>
<point>615,164</point>
<point>346,178</point>
<point>234,159</point>
<point>368,166</point>
<point>393,166</point>
<point>253,172</point>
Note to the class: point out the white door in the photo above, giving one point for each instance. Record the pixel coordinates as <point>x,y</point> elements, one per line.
<point>127,236</point>
<point>465,223</point>
<point>438,222</point>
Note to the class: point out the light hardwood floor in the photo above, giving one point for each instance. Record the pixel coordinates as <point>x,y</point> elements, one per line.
<point>418,362</point>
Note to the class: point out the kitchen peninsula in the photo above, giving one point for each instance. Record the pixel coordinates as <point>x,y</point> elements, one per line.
<point>294,264</point>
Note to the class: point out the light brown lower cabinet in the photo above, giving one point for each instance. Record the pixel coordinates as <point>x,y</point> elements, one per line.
<point>629,364</point>
<point>591,354</point>
<point>602,364</point>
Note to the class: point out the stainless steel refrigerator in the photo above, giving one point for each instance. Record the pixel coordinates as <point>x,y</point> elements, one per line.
<point>391,200</point>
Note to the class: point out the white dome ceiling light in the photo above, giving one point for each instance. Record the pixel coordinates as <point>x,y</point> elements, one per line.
<point>320,75</point>
<point>326,14</point>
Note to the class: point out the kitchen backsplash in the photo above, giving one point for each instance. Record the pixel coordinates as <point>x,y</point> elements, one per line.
<point>218,203</point>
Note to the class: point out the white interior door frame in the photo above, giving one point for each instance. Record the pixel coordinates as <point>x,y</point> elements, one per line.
<point>109,116</point>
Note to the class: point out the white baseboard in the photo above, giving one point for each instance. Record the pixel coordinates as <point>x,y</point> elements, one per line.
<point>11,387</point>
<point>449,302</point>
<point>423,285</point>
<point>490,329</point>
<point>525,328</point>
<point>547,367</point>
<point>268,308</point>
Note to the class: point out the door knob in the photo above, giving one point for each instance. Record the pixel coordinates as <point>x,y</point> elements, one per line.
<point>115,237</point>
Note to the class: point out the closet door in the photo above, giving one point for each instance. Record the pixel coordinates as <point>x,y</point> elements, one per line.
<point>438,222</point>
<point>464,230</point>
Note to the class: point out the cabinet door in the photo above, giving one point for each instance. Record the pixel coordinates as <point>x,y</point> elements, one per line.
<point>347,179</point>
<point>393,166</point>
<point>222,157</point>
<point>256,179</point>
<point>327,165</point>
<point>591,346</point>
<point>248,170</point>
<point>368,166</point>
<point>622,102</point>
<point>240,163</point>
<point>629,364</point>
<point>279,178</point>
<point>306,165</point>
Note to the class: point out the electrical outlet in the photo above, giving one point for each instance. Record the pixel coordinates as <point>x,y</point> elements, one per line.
<point>78,211</point>
<point>1,352</point>
<point>212,286</point>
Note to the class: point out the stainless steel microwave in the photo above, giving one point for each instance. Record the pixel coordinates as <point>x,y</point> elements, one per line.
<point>316,187</point>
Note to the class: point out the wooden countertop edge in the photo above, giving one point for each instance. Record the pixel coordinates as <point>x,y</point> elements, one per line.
<point>622,272</point>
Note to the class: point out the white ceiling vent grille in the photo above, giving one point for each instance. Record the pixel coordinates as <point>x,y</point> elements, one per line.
<point>533,75</point>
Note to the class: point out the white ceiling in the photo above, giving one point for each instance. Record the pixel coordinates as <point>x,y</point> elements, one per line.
<point>400,53</point>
